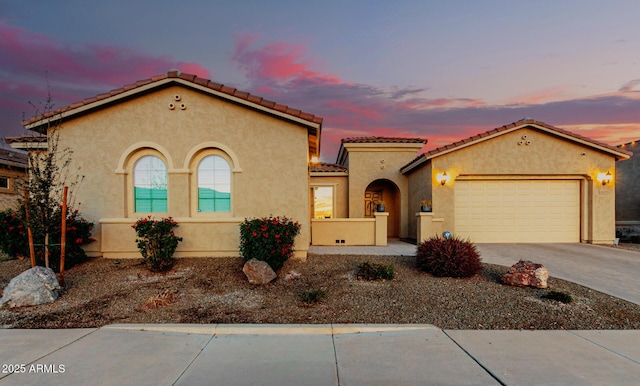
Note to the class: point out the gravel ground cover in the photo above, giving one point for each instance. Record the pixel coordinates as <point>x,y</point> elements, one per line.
<point>215,290</point>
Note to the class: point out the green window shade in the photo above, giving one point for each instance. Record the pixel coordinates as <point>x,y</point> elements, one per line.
<point>214,185</point>
<point>150,185</point>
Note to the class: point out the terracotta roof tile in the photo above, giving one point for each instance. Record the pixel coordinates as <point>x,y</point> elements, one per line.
<point>189,78</point>
<point>522,122</point>
<point>383,140</point>
<point>326,168</point>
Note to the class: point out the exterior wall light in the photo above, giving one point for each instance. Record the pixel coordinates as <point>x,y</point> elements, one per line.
<point>442,178</point>
<point>605,178</point>
<point>315,160</point>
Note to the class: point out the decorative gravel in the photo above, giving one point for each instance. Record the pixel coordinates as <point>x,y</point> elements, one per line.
<point>214,290</point>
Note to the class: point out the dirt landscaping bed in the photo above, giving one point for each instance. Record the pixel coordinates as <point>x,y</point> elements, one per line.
<point>214,290</point>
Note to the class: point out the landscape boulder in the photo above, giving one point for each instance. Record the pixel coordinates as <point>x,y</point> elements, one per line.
<point>526,274</point>
<point>34,286</point>
<point>258,272</point>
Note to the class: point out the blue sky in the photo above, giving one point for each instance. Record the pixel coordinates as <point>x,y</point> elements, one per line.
<point>442,70</point>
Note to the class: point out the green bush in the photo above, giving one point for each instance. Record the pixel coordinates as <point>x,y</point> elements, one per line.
<point>451,257</point>
<point>15,242</point>
<point>559,296</point>
<point>269,239</point>
<point>157,242</point>
<point>368,271</point>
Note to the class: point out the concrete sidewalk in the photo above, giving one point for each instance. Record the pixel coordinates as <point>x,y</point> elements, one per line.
<point>316,355</point>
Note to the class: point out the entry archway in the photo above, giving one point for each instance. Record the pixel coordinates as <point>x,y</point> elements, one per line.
<point>387,192</point>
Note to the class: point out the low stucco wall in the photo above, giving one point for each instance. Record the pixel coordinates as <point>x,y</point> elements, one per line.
<point>206,238</point>
<point>350,231</point>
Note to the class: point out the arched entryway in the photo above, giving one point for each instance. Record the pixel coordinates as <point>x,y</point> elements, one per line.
<point>385,191</point>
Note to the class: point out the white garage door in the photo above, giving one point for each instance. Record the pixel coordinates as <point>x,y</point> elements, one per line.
<point>524,211</point>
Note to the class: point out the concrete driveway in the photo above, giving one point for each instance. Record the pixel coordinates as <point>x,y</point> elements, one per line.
<point>613,271</point>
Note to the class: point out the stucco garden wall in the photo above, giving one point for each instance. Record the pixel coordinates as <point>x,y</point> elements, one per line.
<point>269,162</point>
<point>546,156</point>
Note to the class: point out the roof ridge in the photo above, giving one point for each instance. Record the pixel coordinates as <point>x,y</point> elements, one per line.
<point>522,122</point>
<point>175,74</point>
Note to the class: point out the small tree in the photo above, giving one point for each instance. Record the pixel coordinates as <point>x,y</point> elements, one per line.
<point>48,175</point>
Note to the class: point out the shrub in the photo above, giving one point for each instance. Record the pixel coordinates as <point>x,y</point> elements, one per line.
<point>451,257</point>
<point>368,271</point>
<point>312,296</point>
<point>269,239</point>
<point>559,296</point>
<point>15,242</point>
<point>157,241</point>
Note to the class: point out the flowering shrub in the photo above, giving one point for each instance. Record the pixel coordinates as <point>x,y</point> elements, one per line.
<point>15,242</point>
<point>451,257</point>
<point>156,241</point>
<point>269,239</point>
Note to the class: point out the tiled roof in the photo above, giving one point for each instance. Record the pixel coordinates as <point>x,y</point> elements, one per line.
<point>523,122</point>
<point>13,158</point>
<point>326,168</point>
<point>383,140</point>
<point>202,82</point>
<point>26,138</point>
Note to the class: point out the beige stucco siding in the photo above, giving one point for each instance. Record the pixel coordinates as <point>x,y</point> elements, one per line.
<point>375,162</point>
<point>340,185</point>
<point>269,161</point>
<point>540,156</point>
<point>420,188</point>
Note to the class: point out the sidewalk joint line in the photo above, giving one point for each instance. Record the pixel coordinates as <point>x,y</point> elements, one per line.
<point>194,358</point>
<point>604,347</point>
<point>335,354</point>
<point>494,376</point>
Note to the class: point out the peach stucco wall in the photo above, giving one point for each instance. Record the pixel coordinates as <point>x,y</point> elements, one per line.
<point>268,157</point>
<point>371,162</point>
<point>546,156</point>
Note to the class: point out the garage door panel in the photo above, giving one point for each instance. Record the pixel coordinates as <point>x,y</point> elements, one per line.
<point>518,210</point>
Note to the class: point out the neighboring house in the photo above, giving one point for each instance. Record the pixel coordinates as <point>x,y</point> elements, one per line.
<point>628,195</point>
<point>210,156</point>
<point>13,171</point>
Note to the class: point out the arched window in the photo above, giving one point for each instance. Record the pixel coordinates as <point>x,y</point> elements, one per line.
<point>150,185</point>
<point>214,185</point>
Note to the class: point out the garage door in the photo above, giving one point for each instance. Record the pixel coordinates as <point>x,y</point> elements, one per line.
<point>524,211</point>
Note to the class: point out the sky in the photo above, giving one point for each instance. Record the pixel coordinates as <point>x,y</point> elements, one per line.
<point>440,70</point>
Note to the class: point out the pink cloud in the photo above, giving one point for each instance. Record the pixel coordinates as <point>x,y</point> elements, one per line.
<point>279,61</point>
<point>34,64</point>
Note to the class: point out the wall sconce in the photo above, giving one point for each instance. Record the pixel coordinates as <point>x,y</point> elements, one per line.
<point>605,178</point>
<point>442,178</point>
<point>315,160</point>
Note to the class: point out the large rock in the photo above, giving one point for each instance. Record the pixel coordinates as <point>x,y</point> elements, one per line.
<point>258,272</point>
<point>34,286</point>
<point>526,274</point>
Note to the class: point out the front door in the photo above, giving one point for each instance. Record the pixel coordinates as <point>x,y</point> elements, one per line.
<point>371,197</point>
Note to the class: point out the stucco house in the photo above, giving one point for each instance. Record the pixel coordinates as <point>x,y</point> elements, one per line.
<point>628,195</point>
<point>13,169</point>
<point>210,155</point>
